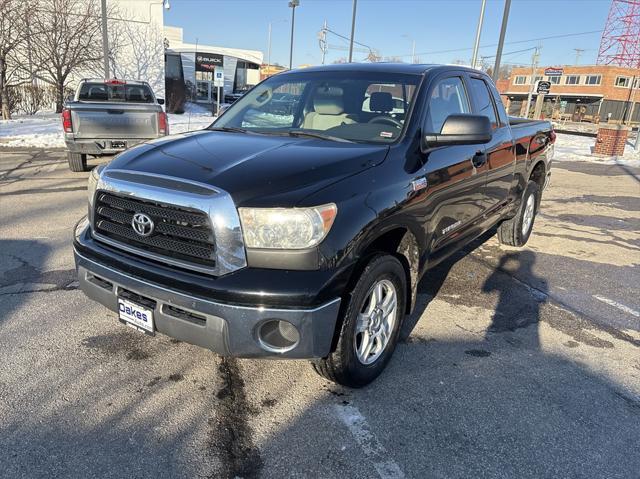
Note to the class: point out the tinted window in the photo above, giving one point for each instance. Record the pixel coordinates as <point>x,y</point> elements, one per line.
<point>447,98</point>
<point>483,99</point>
<point>115,92</point>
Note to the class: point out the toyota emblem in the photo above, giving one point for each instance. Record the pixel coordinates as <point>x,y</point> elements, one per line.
<point>142,224</point>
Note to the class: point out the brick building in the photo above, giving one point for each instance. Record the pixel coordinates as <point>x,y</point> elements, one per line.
<point>582,93</point>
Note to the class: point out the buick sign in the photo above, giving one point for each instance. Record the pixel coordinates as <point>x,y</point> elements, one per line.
<point>142,224</point>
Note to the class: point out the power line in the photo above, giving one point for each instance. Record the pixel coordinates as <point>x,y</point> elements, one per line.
<point>506,43</point>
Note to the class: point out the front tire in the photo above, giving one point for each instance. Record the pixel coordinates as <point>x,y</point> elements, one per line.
<point>516,231</point>
<point>370,325</point>
<point>77,161</point>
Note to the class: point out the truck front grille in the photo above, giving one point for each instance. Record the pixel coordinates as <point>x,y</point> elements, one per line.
<point>178,233</point>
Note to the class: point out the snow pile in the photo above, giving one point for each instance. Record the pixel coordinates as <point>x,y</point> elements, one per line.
<point>45,130</point>
<point>41,131</point>
<point>579,148</point>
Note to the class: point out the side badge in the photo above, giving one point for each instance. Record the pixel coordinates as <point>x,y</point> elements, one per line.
<point>419,184</point>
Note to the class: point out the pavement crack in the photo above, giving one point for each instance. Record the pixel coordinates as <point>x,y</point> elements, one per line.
<point>230,436</point>
<point>25,272</point>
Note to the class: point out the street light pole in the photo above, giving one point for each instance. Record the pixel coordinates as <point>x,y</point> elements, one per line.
<point>293,4</point>
<point>105,40</point>
<point>269,48</point>
<point>503,32</point>
<point>353,30</point>
<point>476,45</point>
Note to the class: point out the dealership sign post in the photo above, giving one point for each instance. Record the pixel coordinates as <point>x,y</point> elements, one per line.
<point>218,81</point>
<point>542,88</point>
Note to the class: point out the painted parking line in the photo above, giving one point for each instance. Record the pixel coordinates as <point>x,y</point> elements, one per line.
<point>376,453</point>
<point>620,306</point>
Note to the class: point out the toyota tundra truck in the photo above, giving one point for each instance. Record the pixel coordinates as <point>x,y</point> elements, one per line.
<point>106,117</point>
<point>302,232</point>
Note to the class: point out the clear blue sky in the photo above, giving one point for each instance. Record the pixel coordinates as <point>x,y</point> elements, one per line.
<point>436,25</point>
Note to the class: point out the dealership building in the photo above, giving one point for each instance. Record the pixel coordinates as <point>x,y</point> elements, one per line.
<point>176,71</point>
<point>190,69</point>
<point>596,93</point>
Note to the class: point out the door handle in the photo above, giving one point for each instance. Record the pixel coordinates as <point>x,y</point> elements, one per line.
<point>479,159</point>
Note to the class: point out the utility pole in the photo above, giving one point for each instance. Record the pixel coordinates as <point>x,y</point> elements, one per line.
<point>503,32</point>
<point>105,40</point>
<point>322,40</point>
<point>413,47</point>
<point>578,54</point>
<point>476,45</point>
<point>353,30</point>
<point>534,66</point>
<point>293,4</point>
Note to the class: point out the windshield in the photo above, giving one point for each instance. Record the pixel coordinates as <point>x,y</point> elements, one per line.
<point>340,106</point>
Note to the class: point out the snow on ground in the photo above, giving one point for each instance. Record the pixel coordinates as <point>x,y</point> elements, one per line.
<point>579,148</point>
<point>45,130</point>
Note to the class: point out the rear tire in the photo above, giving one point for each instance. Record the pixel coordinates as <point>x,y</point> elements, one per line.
<point>77,161</point>
<point>516,231</point>
<point>369,326</point>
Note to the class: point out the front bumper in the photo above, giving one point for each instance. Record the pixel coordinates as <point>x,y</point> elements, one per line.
<point>227,329</point>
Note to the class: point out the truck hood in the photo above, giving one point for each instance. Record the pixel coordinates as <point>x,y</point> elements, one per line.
<point>257,170</point>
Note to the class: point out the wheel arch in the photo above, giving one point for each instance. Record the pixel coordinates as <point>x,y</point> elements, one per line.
<point>401,243</point>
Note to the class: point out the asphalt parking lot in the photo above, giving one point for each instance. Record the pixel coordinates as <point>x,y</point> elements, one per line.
<point>517,363</point>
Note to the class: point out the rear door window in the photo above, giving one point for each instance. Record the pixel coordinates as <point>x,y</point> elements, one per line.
<point>115,93</point>
<point>484,101</point>
<point>448,97</point>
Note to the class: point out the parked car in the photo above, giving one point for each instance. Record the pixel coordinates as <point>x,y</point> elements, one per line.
<point>107,117</point>
<point>304,235</point>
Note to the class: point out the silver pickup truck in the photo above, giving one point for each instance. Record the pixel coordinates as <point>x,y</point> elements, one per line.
<point>106,117</point>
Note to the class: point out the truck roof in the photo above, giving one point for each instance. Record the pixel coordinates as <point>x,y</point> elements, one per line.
<point>407,68</point>
<point>102,80</point>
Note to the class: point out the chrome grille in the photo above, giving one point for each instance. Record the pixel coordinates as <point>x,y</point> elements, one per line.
<point>179,233</point>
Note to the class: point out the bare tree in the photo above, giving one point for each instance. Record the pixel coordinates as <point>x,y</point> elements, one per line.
<point>14,32</point>
<point>137,50</point>
<point>68,41</point>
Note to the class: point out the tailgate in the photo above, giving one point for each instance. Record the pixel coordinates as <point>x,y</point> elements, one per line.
<point>114,120</point>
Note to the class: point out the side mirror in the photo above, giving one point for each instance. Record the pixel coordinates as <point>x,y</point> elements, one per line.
<point>223,108</point>
<point>461,130</point>
<point>160,101</point>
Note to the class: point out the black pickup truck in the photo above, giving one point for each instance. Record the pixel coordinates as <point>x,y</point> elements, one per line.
<point>300,228</point>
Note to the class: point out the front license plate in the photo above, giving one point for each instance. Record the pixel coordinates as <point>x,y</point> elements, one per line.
<point>135,315</point>
<point>118,145</point>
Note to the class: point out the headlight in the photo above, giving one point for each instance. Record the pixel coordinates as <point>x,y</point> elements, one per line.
<point>286,228</point>
<point>94,176</point>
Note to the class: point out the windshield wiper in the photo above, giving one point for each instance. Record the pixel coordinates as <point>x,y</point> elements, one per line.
<point>232,129</point>
<point>321,136</point>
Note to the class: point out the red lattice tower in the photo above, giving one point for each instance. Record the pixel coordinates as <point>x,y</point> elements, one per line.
<point>620,43</point>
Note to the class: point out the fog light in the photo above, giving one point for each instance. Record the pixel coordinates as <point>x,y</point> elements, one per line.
<point>278,336</point>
